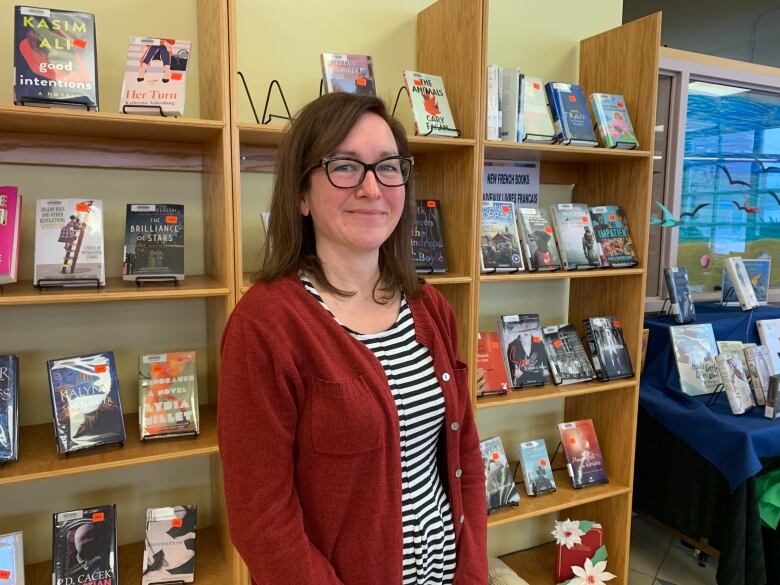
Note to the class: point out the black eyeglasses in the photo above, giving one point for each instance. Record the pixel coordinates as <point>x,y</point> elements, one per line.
<point>347,173</point>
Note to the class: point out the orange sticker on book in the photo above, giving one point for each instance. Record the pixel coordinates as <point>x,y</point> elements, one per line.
<point>572,98</point>
<point>536,339</point>
<point>505,208</point>
<point>100,368</point>
<point>98,517</point>
<point>5,575</point>
<point>176,522</point>
<point>537,86</point>
<point>418,82</point>
<point>176,76</point>
<point>620,104</point>
<point>82,206</point>
<point>430,203</point>
<point>361,81</point>
<point>80,43</point>
<point>157,369</point>
<point>171,219</point>
<point>494,344</point>
<point>616,323</point>
<point>495,456</point>
<point>543,462</point>
<point>548,229</point>
<point>584,219</point>
<point>557,344</point>
<point>612,217</point>
<point>572,441</point>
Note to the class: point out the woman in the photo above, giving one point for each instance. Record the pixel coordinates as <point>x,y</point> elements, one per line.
<point>348,444</point>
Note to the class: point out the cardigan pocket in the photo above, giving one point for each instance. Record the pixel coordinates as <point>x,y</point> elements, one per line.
<point>345,417</point>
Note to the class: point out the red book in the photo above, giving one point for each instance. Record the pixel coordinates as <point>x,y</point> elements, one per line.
<point>491,361</point>
<point>566,558</point>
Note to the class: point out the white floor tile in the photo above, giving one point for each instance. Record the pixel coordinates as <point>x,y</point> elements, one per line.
<point>646,554</point>
<point>637,578</point>
<point>640,526</point>
<point>680,567</point>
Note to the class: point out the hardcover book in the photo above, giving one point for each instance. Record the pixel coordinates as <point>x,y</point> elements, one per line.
<point>55,58</point>
<point>523,348</point>
<point>511,105</point>
<point>499,483</point>
<point>537,123</point>
<point>348,73</point>
<point>499,241</point>
<point>490,360</point>
<point>735,382</point>
<point>428,238</point>
<point>169,555</point>
<point>680,294</point>
<point>537,468</point>
<point>154,242</point>
<point>9,408</point>
<point>570,116</point>
<point>494,116</point>
<point>769,332</point>
<point>608,348</point>
<point>743,288</point>
<point>758,271</point>
<point>569,363</point>
<point>574,552</point>
<point>611,229</point>
<point>10,233</point>
<point>69,242</point>
<point>168,387</point>
<point>759,370</point>
<point>583,454</point>
<point>431,110</point>
<point>85,547</point>
<point>12,559</point>
<point>538,239</point>
<point>155,76</point>
<point>576,241</point>
<point>772,407</point>
<point>85,400</point>
<point>613,122</point>
<point>695,351</point>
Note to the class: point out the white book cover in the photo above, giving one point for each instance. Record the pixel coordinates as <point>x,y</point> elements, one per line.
<point>69,241</point>
<point>741,283</point>
<point>769,332</point>
<point>537,121</point>
<point>493,122</point>
<point>432,114</point>
<point>576,240</point>
<point>512,105</point>
<point>695,351</point>
<point>11,559</point>
<point>735,383</point>
<point>759,368</point>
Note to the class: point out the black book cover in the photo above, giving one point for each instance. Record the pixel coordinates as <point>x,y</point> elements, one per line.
<point>499,484</point>
<point>85,547</point>
<point>680,294</point>
<point>9,408</point>
<point>427,238</point>
<point>169,556</point>
<point>608,348</point>
<point>154,241</point>
<point>568,361</point>
<point>521,341</point>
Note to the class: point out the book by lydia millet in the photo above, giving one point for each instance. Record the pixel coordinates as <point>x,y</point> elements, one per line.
<point>168,395</point>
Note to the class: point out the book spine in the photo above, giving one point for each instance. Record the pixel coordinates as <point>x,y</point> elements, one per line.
<point>555,110</point>
<point>509,128</point>
<point>493,123</point>
<point>594,352</point>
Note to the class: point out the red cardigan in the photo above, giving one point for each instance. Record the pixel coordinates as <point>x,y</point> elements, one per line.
<point>309,439</point>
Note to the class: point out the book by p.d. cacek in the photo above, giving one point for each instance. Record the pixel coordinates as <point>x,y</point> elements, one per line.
<point>10,232</point>
<point>538,239</point>
<point>428,238</point>
<point>695,350</point>
<point>169,555</point>
<point>570,115</point>
<point>348,73</point>
<point>583,454</point>
<point>569,362</point>
<point>608,348</point>
<point>740,280</point>
<point>680,294</point>
<point>611,229</point>
<point>9,408</point>
<point>168,395</point>
<point>55,58</point>
<point>499,240</point>
<point>12,559</point>
<point>432,114</point>
<point>576,241</point>
<point>523,348</point>
<point>735,382</point>
<point>154,241</point>
<point>537,467</point>
<point>85,547</point>
<point>499,483</point>
<point>614,124</point>
<point>490,360</point>
<point>537,123</point>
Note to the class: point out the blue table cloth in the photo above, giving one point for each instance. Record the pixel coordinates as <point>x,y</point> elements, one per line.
<point>733,444</point>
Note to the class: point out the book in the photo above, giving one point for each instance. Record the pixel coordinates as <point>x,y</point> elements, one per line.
<point>55,58</point>
<point>168,395</point>
<point>608,349</point>
<point>169,553</point>
<point>499,240</point>
<point>154,241</point>
<point>613,122</point>
<point>538,239</point>
<point>680,294</point>
<point>758,364</point>
<point>740,280</point>
<point>10,233</point>
<point>491,362</point>
<point>85,547</point>
<point>772,407</point>
<point>735,382</point>
<point>583,454</point>
<point>12,559</point>
<point>511,105</point>
<point>573,552</point>
<point>758,271</point>
<point>577,243</point>
<point>9,408</point>
<point>493,110</point>
<point>570,116</point>
<point>611,230</point>
<point>695,351</point>
<point>499,483</point>
<point>521,343</point>
<point>85,400</point>
<point>430,107</point>
<point>537,467</point>
<point>537,122</point>
<point>348,73</point>
<point>69,242</point>
<point>769,333</point>
<point>428,237</point>
<point>155,79</point>
<point>569,363</point>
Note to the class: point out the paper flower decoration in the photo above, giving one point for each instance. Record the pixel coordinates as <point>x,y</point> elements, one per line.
<point>591,574</point>
<point>568,533</point>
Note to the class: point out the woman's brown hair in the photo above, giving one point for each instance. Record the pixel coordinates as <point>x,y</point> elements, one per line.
<point>316,132</point>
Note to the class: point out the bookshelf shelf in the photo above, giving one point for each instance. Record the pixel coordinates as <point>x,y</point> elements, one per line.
<point>550,392</point>
<point>559,153</point>
<point>536,564</point>
<point>560,275</point>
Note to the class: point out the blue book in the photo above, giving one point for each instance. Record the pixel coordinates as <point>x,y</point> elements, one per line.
<point>9,408</point>
<point>537,467</point>
<point>571,119</point>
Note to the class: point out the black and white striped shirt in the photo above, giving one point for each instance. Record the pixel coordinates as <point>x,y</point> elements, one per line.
<point>428,533</point>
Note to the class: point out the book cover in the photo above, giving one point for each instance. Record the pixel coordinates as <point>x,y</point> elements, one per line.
<point>431,110</point>
<point>537,122</point>
<point>55,57</point>
<point>576,541</point>
<point>493,110</point>
<point>69,241</point>
<point>85,547</point>
<point>583,454</point>
<point>759,370</point>
<point>12,559</point>
<point>611,229</point>
<point>499,483</point>
<point>772,407</point>
<point>537,467</point>
<point>740,280</point>
<point>10,232</point>
<point>490,360</point>
<point>735,382</point>
<point>758,271</point>
<point>608,348</point>
<point>9,408</point>
<point>522,345</point>
<point>85,400</point>
<point>169,554</point>
<point>613,122</point>
<point>538,239</point>
<point>695,351</point>
<point>155,76</point>
<point>499,240</point>
<point>428,238</point>
<point>769,333</point>
<point>348,73</point>
<point>511,105</point>
<point>571,119</point>
<point>680,294</point>
<point>576,241</point>
<point>168,395</point>
<point>154,241</point>
<point>569,363</point>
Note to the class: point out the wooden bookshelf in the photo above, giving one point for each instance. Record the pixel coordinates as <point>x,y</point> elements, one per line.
<point>560,275</point>
<point>550,392</point>
<point>559,153</point>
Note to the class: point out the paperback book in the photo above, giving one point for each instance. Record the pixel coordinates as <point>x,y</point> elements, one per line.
<point>523,348</point>
<point>537,123</point>
<point>69,242</point>
<point>537,468</point>
<point>511,105</point>
<point>428,238</point>
<point>759,370</point>
<point>695,351</point>
<point>740,280</point>
<point>168,387</point>
<point>10,233</point>
<point>680,294</point>
<point>9,408</point>
<point>608,348</point>
<point>431,110</point>
<point>155,76</point>
<point>85,400</point>
<point>499,241</point>
<point>491,362</point>
<point>499,483</point>
<point>85,547</point>
<point>758,271</point>
<point>583,454</point>
<point>735,382</point>
<point>12,559</point>
<point>772,407</point>
<point>769,332</point>
<point>576,241</point>
<point>538,239</point>
<point>569,363</point>
<point>571,119</point>
<point>614,124</point>
<point>154,242</point>
<point>348,73</point>
<point>611,229</point>
<point>169,555</point>
<point>55,58</point>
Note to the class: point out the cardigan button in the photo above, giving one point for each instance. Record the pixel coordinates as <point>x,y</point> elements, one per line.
<point>458,472</point>
<point>445,376</point>
<point>455,426</point>
<point>462,519</point>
